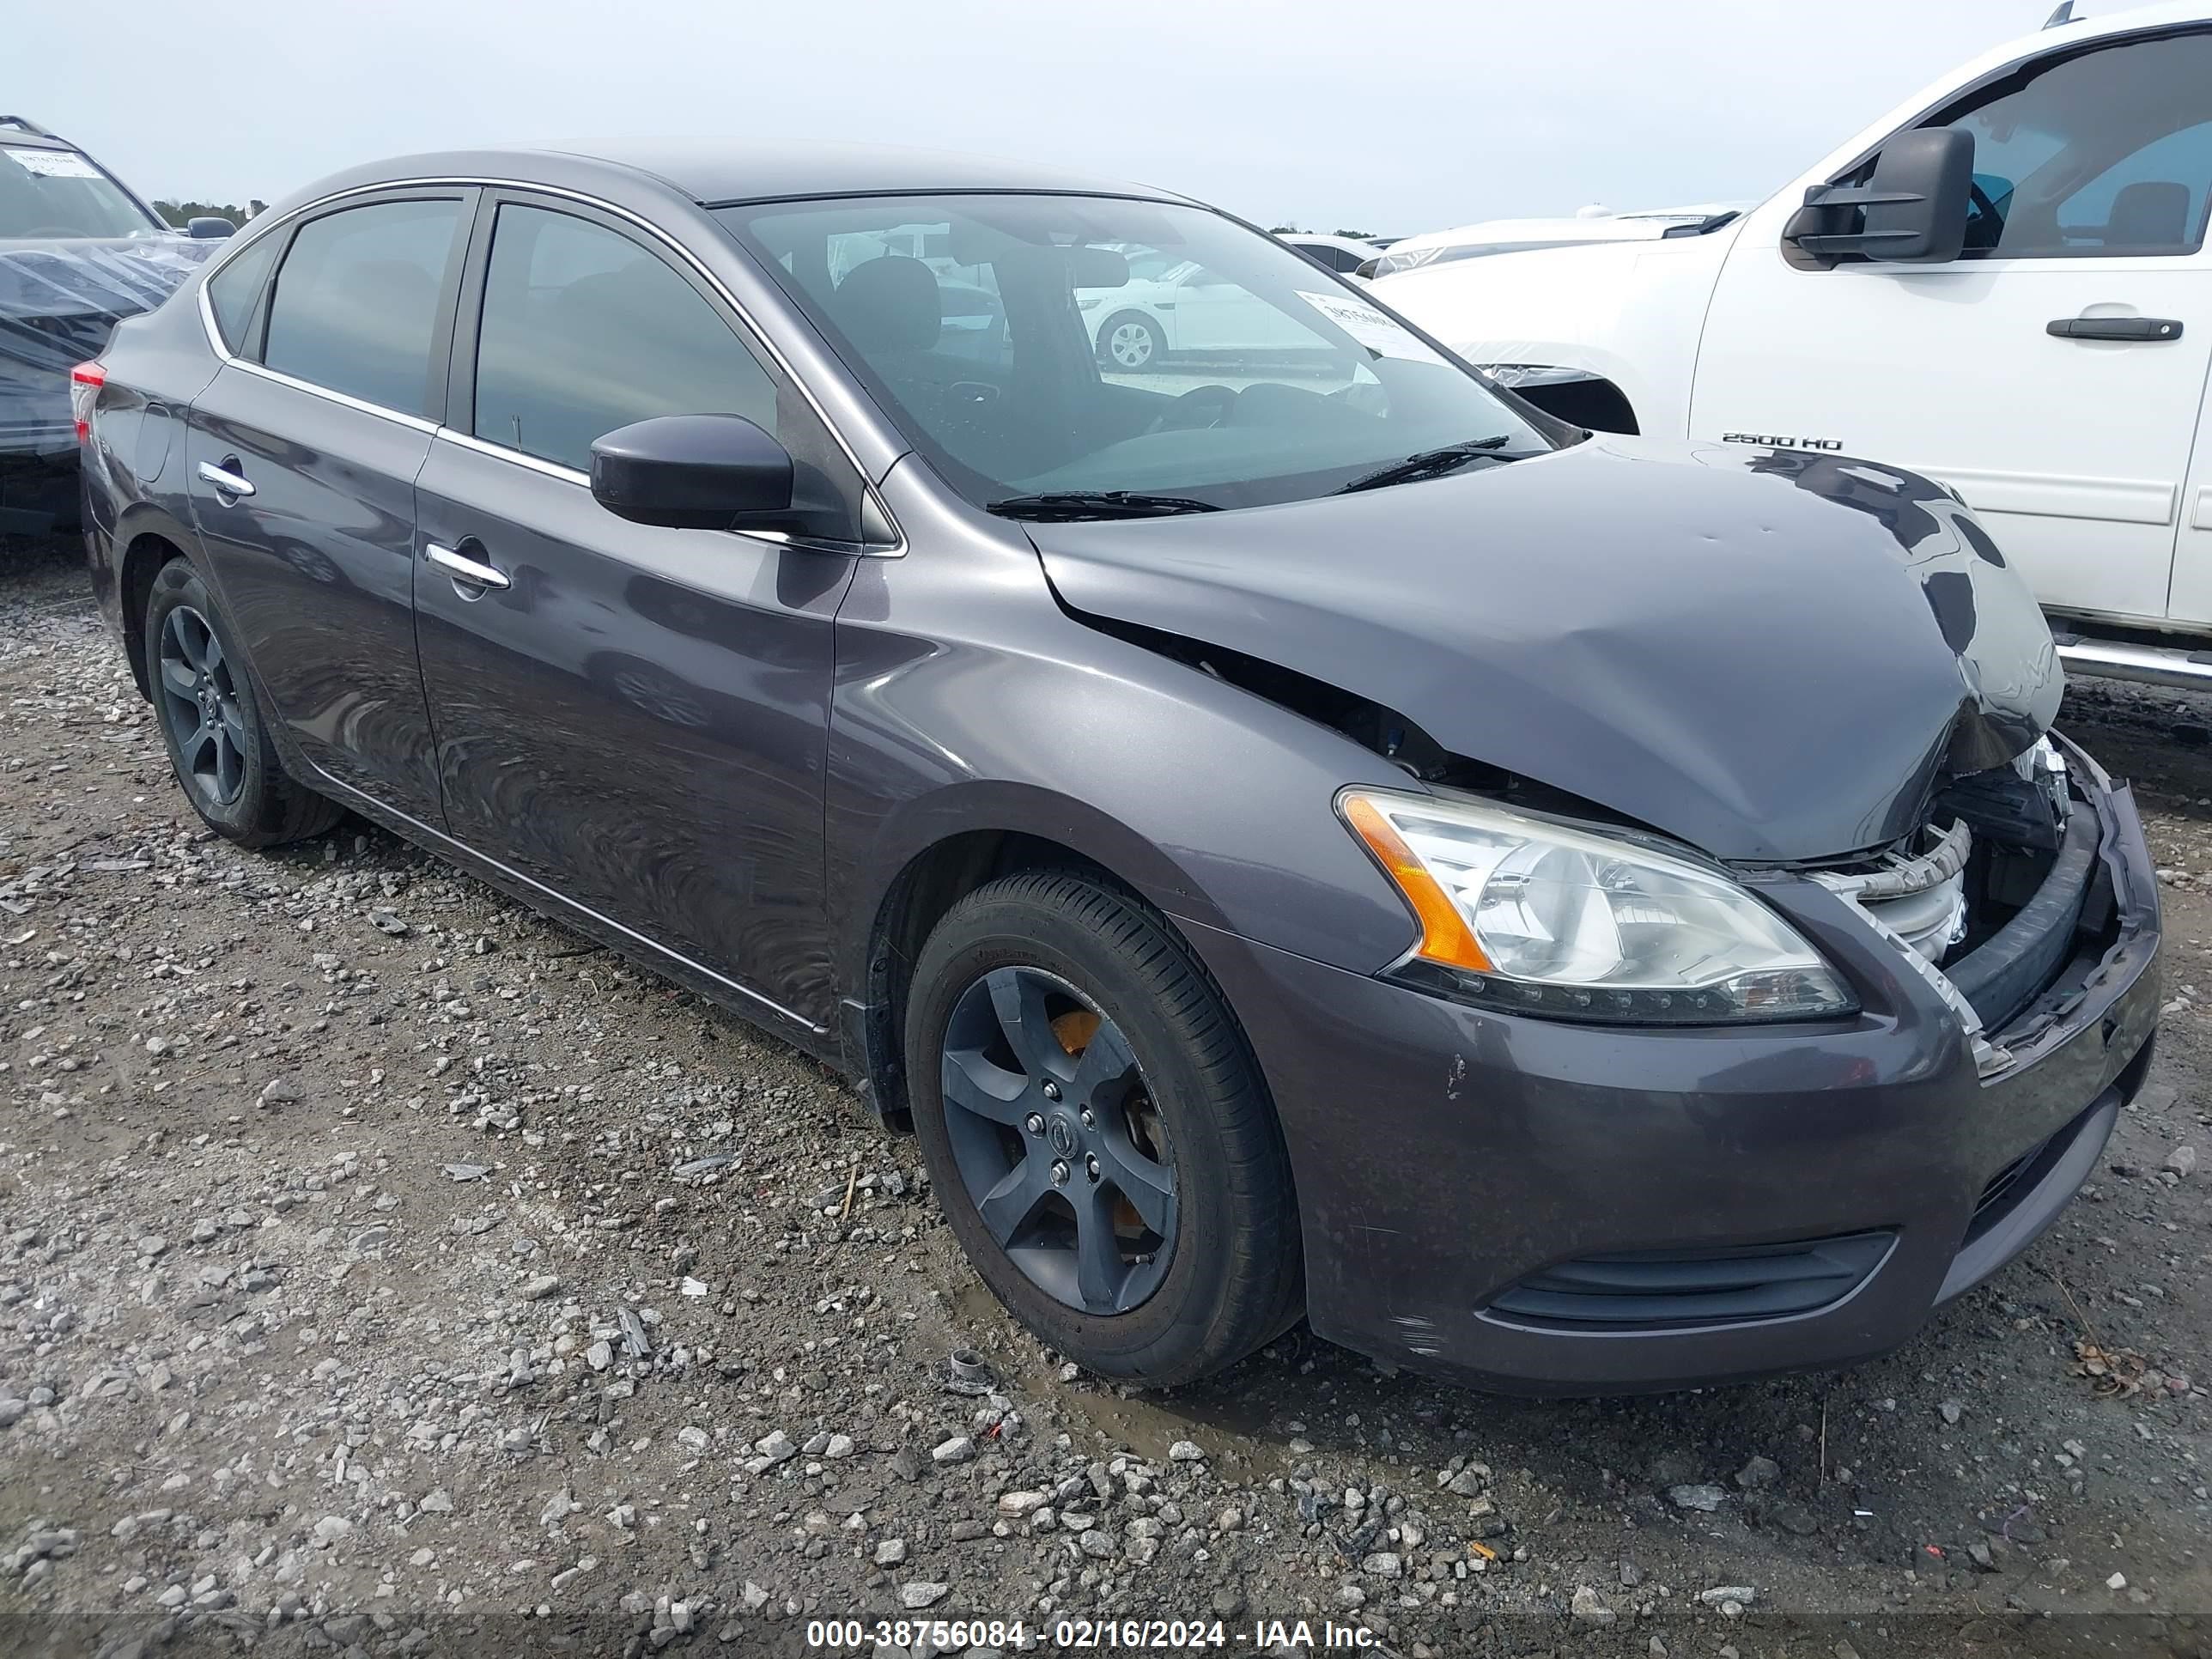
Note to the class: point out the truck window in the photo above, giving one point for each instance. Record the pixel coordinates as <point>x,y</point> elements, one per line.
<point>2102,152</point>
<point>2153,202</point>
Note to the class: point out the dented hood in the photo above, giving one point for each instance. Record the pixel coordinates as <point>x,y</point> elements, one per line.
<point>1770,655</point>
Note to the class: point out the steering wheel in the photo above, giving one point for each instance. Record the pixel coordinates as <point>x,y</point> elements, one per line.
<point>1986,210</point>
<point>1177,416</point>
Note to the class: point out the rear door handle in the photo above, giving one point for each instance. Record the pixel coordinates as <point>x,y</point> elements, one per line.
<point>225,480</point>
<point>2114,328</point>
<point>462,567</point>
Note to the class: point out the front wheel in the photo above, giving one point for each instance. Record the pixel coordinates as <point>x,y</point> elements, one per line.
<point>1099,1132</point>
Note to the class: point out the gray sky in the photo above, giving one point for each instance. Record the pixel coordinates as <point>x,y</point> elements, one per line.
<point>1385,115</point>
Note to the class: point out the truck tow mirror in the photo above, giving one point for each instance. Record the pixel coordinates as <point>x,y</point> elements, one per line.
<point>1911,210</point>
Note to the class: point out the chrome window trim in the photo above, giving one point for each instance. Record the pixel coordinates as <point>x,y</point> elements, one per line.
<point>892,551</point>
<point>501,452</point>
<point>568,475</point>
<point>344,399</point>
<point>234,247</point>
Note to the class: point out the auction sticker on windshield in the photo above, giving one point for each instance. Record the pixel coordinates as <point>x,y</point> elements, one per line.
<point>1370,328</point>
<point>53,163</point>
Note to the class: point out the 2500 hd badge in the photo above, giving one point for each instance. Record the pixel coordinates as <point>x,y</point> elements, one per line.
<point>1769,441</point>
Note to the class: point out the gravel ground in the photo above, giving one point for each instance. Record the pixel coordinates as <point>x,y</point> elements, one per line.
<point>383,1271</point>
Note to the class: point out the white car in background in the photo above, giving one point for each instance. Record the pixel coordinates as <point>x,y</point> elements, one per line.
<point>1591,224</point>
<point>1181,308</point>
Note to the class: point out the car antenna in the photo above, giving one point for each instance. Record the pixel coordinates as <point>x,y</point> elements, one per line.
<point>2064,15</point>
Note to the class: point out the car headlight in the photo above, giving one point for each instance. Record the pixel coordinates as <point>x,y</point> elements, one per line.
<point>1540,918</point>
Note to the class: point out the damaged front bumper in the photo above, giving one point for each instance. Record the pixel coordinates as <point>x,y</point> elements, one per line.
<point>1541,1207</point>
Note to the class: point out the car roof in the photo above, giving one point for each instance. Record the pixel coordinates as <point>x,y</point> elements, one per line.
<point>26,134</point>
<point>713,172</point>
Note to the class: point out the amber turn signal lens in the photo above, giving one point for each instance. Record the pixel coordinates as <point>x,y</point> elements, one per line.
<point>1445,936</point>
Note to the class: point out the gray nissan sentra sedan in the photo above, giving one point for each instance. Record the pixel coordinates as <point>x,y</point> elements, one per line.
<point>1293,830</point>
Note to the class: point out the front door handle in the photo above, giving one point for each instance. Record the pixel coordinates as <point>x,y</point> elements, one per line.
<point>2114,328</point>
<point>462,567</point>
<point>226,479</point>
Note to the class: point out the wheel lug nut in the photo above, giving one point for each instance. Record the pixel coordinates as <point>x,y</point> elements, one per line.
<point>1090,1166</point>
<point>1051,1090</point>
<point>1089,1118</point>
<point>1034,1123</point>
<point>1060,1173</point>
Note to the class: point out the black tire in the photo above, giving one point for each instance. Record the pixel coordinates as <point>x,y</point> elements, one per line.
<point>1233,1279</point>
<point>1155,343</point>
<point>251,800</point>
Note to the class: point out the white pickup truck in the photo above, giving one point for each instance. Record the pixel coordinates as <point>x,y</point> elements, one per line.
<point>2002,284</point>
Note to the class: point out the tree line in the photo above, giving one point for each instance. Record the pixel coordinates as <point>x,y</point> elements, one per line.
<point>181,213</point>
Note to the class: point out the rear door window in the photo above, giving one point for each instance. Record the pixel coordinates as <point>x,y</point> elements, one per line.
<point>355,304</point>
<point>234,292</point>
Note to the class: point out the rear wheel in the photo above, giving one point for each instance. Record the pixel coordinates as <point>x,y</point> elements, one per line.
<point>212,725</point>
<point>1099,1132</point>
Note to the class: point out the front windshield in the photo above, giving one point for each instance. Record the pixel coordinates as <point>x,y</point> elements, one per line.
<point>1040,345</point>
<point>60,194</point>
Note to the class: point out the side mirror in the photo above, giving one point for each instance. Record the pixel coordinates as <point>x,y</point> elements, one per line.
<point>1911,210</point>
<point>209,228</point>
<point>695,472</point>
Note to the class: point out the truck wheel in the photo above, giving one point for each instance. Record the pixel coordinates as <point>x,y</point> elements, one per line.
<point>1099,1132</point>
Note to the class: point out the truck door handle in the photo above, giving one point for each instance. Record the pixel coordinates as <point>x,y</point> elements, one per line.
<point>462,567</point>
<point>2114,328</point>
<point>226,479</point>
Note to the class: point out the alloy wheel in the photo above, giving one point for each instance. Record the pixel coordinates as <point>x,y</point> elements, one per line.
<point>200,708</point>
<point>1057,1140</point>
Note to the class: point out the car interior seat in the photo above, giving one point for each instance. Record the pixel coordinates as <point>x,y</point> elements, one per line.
<point>2150,214</point>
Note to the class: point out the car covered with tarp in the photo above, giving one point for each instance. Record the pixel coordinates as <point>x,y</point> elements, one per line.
<point>78,252</point>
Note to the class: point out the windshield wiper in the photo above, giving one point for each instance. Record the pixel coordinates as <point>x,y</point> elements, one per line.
<point>1097,504</point>
<point>1431,464</point>
<point>1704,227</point>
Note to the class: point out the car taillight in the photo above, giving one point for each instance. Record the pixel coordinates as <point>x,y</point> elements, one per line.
<point>85,381</point>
